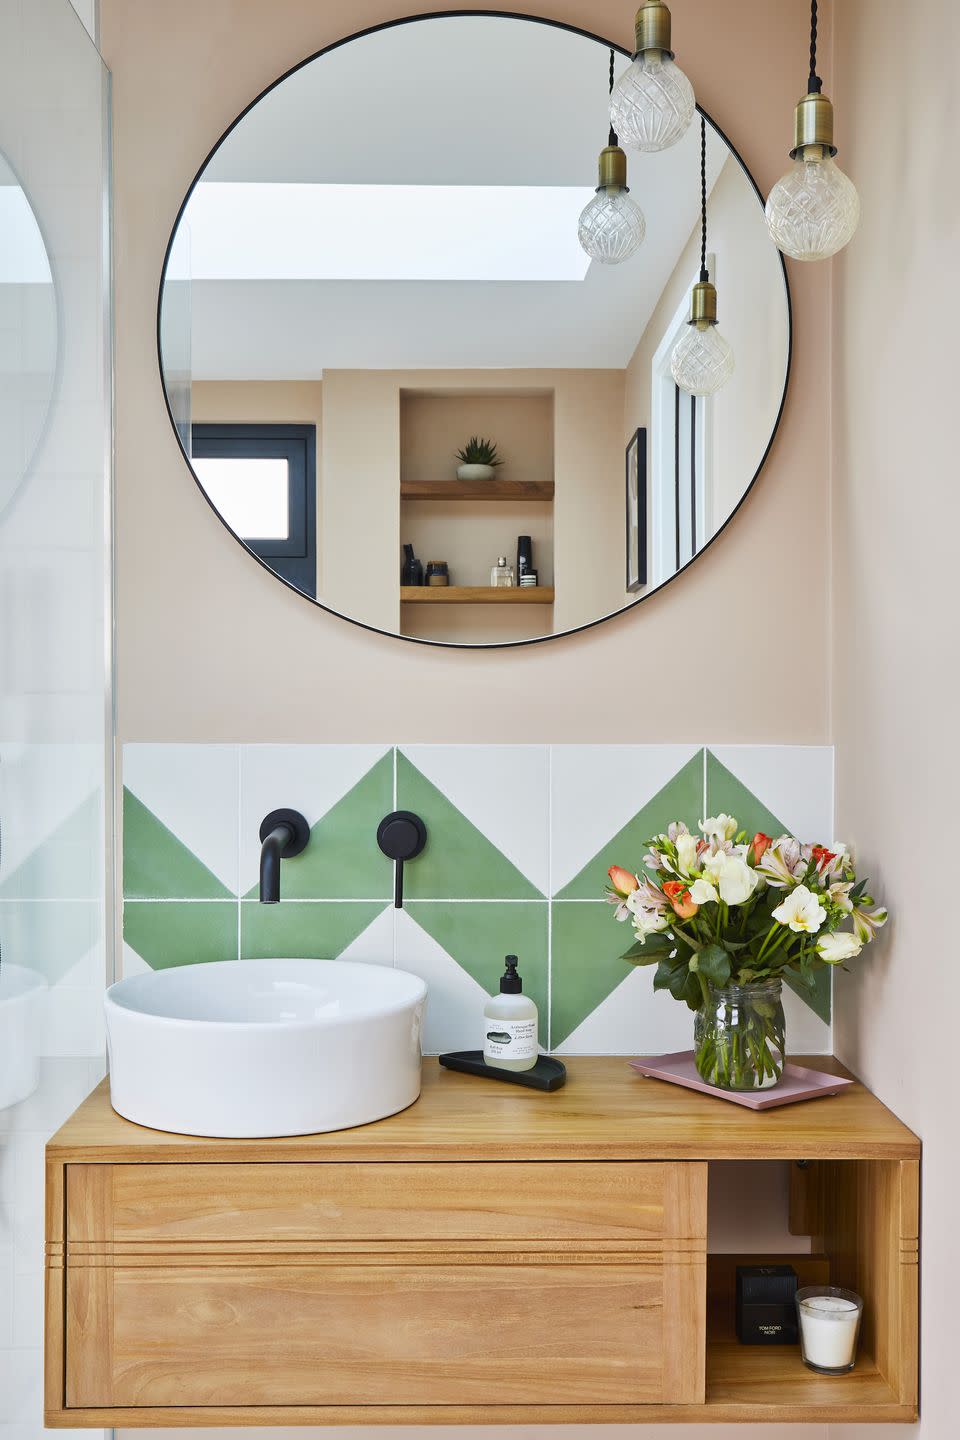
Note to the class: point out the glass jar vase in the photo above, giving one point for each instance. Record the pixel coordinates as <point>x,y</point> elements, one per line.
<point>739,1036</point>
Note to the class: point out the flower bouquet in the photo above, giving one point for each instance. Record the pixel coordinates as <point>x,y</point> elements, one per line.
<point>725,918</point>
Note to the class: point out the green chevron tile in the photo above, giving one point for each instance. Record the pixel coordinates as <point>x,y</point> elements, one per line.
<point>729,796</point>
<point>586,965</point>
<point>343,860</point>
<point>459,862</point>
<point>158,866</point>
<point>680,799</point>
<point>303,930</point>
<point>479,934</point>
<point>165,933</point>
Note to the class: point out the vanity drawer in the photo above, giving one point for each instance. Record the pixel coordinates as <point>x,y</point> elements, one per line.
<point>460,1284</point>
<point>133,1208</point>
<point>509,1331</point>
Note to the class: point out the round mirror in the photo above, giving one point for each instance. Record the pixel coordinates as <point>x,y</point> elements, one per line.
<point>400,378</point>
<point>28,334</point>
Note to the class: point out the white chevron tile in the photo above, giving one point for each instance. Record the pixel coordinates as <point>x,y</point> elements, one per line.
<point>194,791</point>
<point>596,790</point>
<point>308,778</point>
<point>795,782</point>
<point>455,1001</point>
<point>501,789</point>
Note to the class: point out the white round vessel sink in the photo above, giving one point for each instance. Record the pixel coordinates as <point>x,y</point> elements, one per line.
<point>258,1048</point>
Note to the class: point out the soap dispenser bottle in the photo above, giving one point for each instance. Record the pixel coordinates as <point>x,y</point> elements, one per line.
<point>510,1024</point>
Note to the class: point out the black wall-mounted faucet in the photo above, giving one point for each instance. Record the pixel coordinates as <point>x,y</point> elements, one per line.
<point>401,836</point>
<point>283,834</point>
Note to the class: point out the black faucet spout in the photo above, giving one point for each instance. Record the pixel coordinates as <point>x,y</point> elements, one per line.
<point>270,855</point>
<point>283,834</point>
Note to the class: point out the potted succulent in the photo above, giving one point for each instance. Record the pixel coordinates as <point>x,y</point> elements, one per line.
<point>478,459</point>
<point>725,918</point>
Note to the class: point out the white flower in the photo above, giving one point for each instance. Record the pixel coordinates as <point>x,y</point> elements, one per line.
<point>687,855</point>
<point>838,947</point>
<point>802,911</point>
<point>719,828</point>
<point>839,894</point>
<point>737,881</point>
<point>782,863</point>
<point>727,874</point>
<point>649,922</point>
<point>867,920</point>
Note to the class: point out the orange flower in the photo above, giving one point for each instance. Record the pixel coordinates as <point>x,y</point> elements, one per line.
<point>759,845</point>
<point>623,882</point>
<point>679,896</point>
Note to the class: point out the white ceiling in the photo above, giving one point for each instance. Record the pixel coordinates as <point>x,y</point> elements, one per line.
<point>454,101</point>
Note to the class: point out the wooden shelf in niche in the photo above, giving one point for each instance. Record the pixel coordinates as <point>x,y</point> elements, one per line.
<point>771,1382</point>
<point>476,595</point>
<point>509,490</point>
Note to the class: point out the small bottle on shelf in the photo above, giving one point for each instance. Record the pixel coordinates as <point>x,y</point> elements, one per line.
<point>501,576</point>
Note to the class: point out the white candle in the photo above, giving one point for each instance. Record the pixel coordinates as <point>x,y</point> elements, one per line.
<point>828,1328</point>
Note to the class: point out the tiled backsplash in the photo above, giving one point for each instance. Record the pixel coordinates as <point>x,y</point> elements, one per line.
<point>520,838</point>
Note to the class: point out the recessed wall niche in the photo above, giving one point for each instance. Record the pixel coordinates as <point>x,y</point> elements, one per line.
<point>469,530</point>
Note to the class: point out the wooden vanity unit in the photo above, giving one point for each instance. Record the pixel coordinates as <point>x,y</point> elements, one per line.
<point>491,1255</point>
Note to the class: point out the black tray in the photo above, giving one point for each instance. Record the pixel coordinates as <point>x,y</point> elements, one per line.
<point>547,1074</point>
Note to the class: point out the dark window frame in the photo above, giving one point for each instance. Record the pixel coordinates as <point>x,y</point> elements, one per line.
<point>295,558</point>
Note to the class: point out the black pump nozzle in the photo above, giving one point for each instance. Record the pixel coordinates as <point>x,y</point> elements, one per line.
<point>510,983</point>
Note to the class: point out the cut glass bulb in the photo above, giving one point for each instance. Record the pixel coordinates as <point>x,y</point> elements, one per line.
<point>814,210</point>
<point>702,361</point>
<point>611,226</point>
<point>652,103</point>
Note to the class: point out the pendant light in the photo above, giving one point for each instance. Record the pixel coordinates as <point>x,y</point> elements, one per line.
<point>702,361</point>
<point>652,103</point>
<point>612,226</point>
<point>814,210</point>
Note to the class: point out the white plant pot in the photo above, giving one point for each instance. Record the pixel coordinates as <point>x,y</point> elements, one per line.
<point>475,472</point>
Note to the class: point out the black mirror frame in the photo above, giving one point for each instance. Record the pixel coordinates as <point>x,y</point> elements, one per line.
<point>394,634</point>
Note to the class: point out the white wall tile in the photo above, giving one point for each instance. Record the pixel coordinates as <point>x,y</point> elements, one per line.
<point>194,790</point>
<point>596,790</point>
<point>794,781</point>
<point>454,1019</point>
<point>501,789</point>
<point>308,778</point>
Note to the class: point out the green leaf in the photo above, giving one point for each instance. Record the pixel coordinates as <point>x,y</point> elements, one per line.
<point>715,964</point>
<point>692,993</point>
<point>858,890</point>
<point>654,948</point>
<point>667,975</point>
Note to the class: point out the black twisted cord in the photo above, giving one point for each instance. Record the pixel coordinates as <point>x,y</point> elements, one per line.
<point>612,138</point>
<point>703,200</point>
<point>814,84</point>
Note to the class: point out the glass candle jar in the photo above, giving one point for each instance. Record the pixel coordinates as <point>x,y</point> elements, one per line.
<point>829,1328</point>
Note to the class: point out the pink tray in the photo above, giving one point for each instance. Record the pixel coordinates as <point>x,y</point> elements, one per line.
<point>797,1083</point>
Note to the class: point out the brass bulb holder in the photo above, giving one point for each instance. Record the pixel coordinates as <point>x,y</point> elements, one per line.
<point>703,304</point>
<point>813,126</point>
<point>652,28</point>
<point>612,169</point>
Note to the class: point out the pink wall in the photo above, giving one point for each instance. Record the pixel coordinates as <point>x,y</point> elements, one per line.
<point>895,514</point>
<point>181,72</point>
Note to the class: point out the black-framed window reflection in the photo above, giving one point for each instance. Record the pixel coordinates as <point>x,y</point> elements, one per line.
<point>262,481</point>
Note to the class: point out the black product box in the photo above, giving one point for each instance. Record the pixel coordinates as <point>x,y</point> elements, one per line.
<point>766,1311</point>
